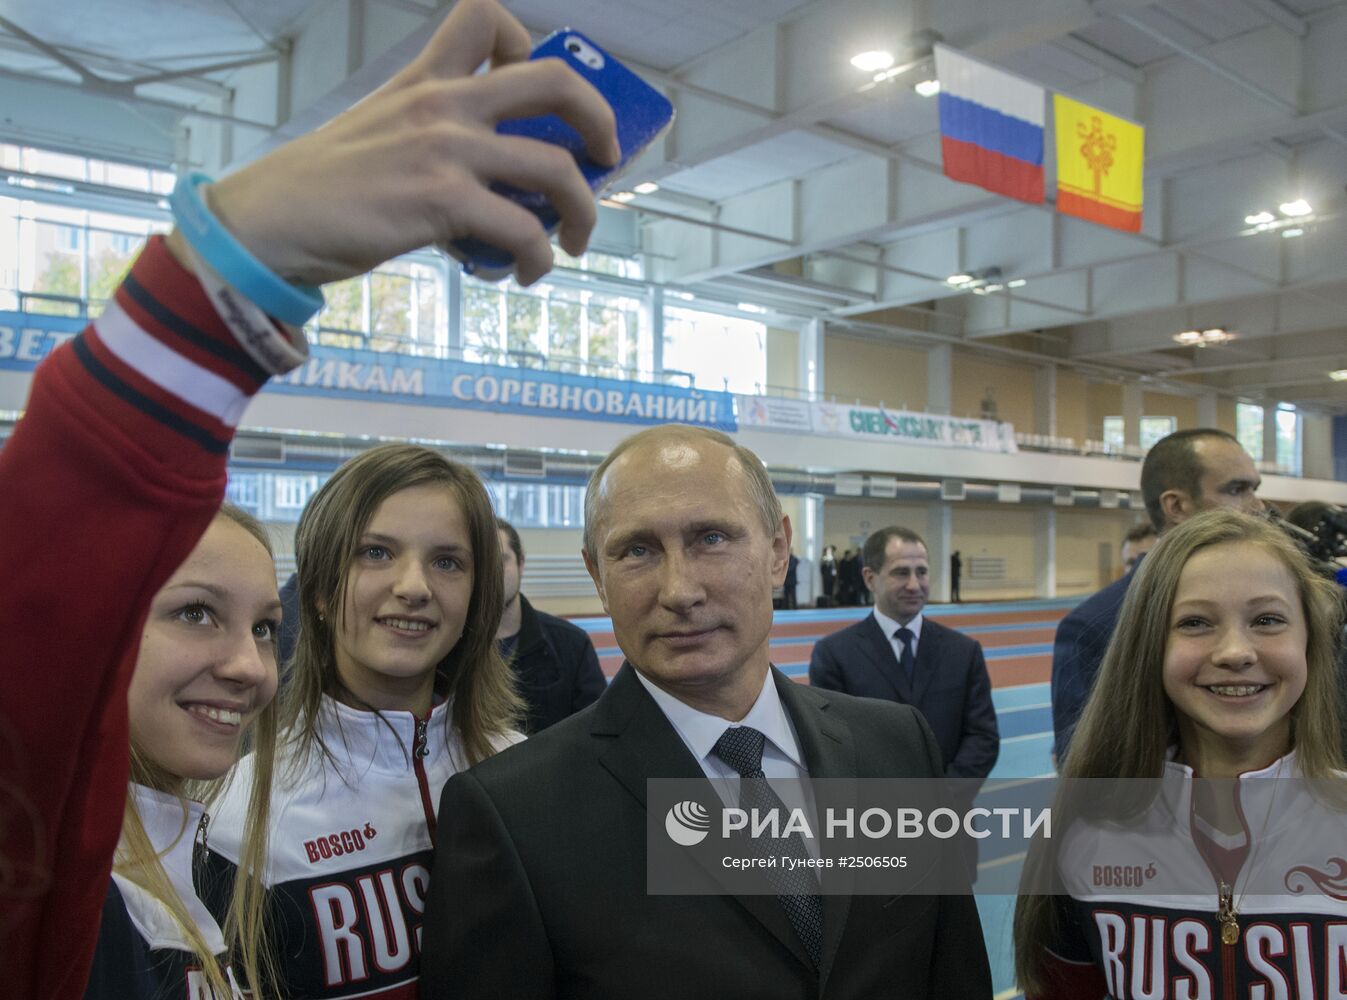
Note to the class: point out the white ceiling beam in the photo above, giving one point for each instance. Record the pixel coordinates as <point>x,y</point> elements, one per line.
<point>1106,61</point>
<point>187,111</point>
<point>1326,359</point>
<point>122,67</point>
<point>1191,53</point>
<point>1280,16</point>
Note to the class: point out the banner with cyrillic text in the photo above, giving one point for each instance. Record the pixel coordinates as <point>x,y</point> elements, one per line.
<point>377,376</point>
<point>903,427</point>
<point>774,413</point>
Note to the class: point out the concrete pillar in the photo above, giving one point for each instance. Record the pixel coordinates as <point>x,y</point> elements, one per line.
<point>1206,409</point>
<point>1045,400</point>
<point>453,290</point>
<point>939,545</point>
<point>809,547</point>
<point>1340,448</point>
<point>939,378</point>
<point>1132,400</point>
<point>811,359</point>
<point>1045,552</point>
<point>657,328</point>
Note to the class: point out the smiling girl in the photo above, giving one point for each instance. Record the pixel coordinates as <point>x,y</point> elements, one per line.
<point>1219,680</point>
<point>206,673</point>
<point>396,684</point>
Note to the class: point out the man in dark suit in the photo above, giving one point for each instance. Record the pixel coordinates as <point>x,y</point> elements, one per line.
<point>555,666</point>
<point>539,886</point>
<point>1187,472</point>
<point>899,654</point>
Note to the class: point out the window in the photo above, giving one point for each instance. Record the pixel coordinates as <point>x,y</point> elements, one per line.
<point>293,492</point>
<point>277,497</point>
<point>538,505</point>
<point>245,490</point>
<point>1152,430</point>
<point>59,259</point>
<point>1249,429</point>
<point>589,330</point>
<point>1289,450</point>
<point>400,306</point>
<point>1155,428</point>
<point>719,352</point>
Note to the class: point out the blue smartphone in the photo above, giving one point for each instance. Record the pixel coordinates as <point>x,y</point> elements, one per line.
<point>642,114</point>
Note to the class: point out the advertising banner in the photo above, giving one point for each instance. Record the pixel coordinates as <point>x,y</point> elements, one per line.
<point>774,414</point>
<point>379,376</point>
<point>875,423</point>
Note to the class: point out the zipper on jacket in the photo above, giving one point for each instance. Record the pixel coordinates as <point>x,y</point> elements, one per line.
<point>1228,922</point>
<point>420,751</point>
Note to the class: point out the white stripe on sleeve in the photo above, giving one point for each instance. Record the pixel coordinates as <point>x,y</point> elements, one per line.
<point>197,386</point>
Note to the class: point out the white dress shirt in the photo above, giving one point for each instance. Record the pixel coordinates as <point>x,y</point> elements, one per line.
<point>888,626</point>
<point>782,762</point>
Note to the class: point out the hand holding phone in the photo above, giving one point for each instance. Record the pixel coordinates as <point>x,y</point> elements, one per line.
<point>641,115</point>
<point>411,165</point>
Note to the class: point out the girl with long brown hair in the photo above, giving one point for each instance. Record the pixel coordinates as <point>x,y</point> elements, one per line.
<point>1217,701</point>
<point>395,684</point>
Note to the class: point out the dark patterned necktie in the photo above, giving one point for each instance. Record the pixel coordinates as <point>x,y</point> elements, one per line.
<point>741,748</point>
<point>908,660</point>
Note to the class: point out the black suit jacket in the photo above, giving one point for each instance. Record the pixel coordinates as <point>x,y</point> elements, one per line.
<point>950,686</point>
<point>1078,652</point>
<point>555,666</point>
<point>539,886</point>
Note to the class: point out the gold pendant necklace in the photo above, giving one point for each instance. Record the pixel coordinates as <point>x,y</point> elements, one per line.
<point>1228,917</point>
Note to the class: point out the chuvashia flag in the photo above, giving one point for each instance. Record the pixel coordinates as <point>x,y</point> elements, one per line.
<point>991,126</point>
<point>1099,158</point>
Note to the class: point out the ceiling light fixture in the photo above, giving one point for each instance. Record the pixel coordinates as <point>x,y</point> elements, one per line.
<point>983,281</point>
<point>1204,338</point>
<point>1017,283</point>
<point>1295,209</point>
<point>1259,218</point>
<point>1290,234</point>
<point>927,88</point>
<point>1339,376</point>
<point>646,187</point>
<point>621,197</point>
<point>873,61</point>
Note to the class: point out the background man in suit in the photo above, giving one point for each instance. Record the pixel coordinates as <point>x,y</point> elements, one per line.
<point>1139,540</point>
<point>899,654</point>
<point>554,663</point>
<point>539,887</point>
<point>1186,472</point>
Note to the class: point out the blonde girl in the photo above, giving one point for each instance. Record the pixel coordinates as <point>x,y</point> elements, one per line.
<point>204,681</point>
<point>1222,668</point>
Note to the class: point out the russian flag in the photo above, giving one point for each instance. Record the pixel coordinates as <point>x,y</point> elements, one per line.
<point>991,126</point>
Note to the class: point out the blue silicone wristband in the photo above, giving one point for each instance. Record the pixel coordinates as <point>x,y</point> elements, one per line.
<point>293,304</point>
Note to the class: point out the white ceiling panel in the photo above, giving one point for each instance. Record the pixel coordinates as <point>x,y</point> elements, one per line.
<point>662,34</point>
<point>1207,110</point>
<point>892,121</point>
<point>757,166</point>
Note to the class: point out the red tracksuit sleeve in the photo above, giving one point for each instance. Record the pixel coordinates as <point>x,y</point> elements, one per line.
<point>112,475</point>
